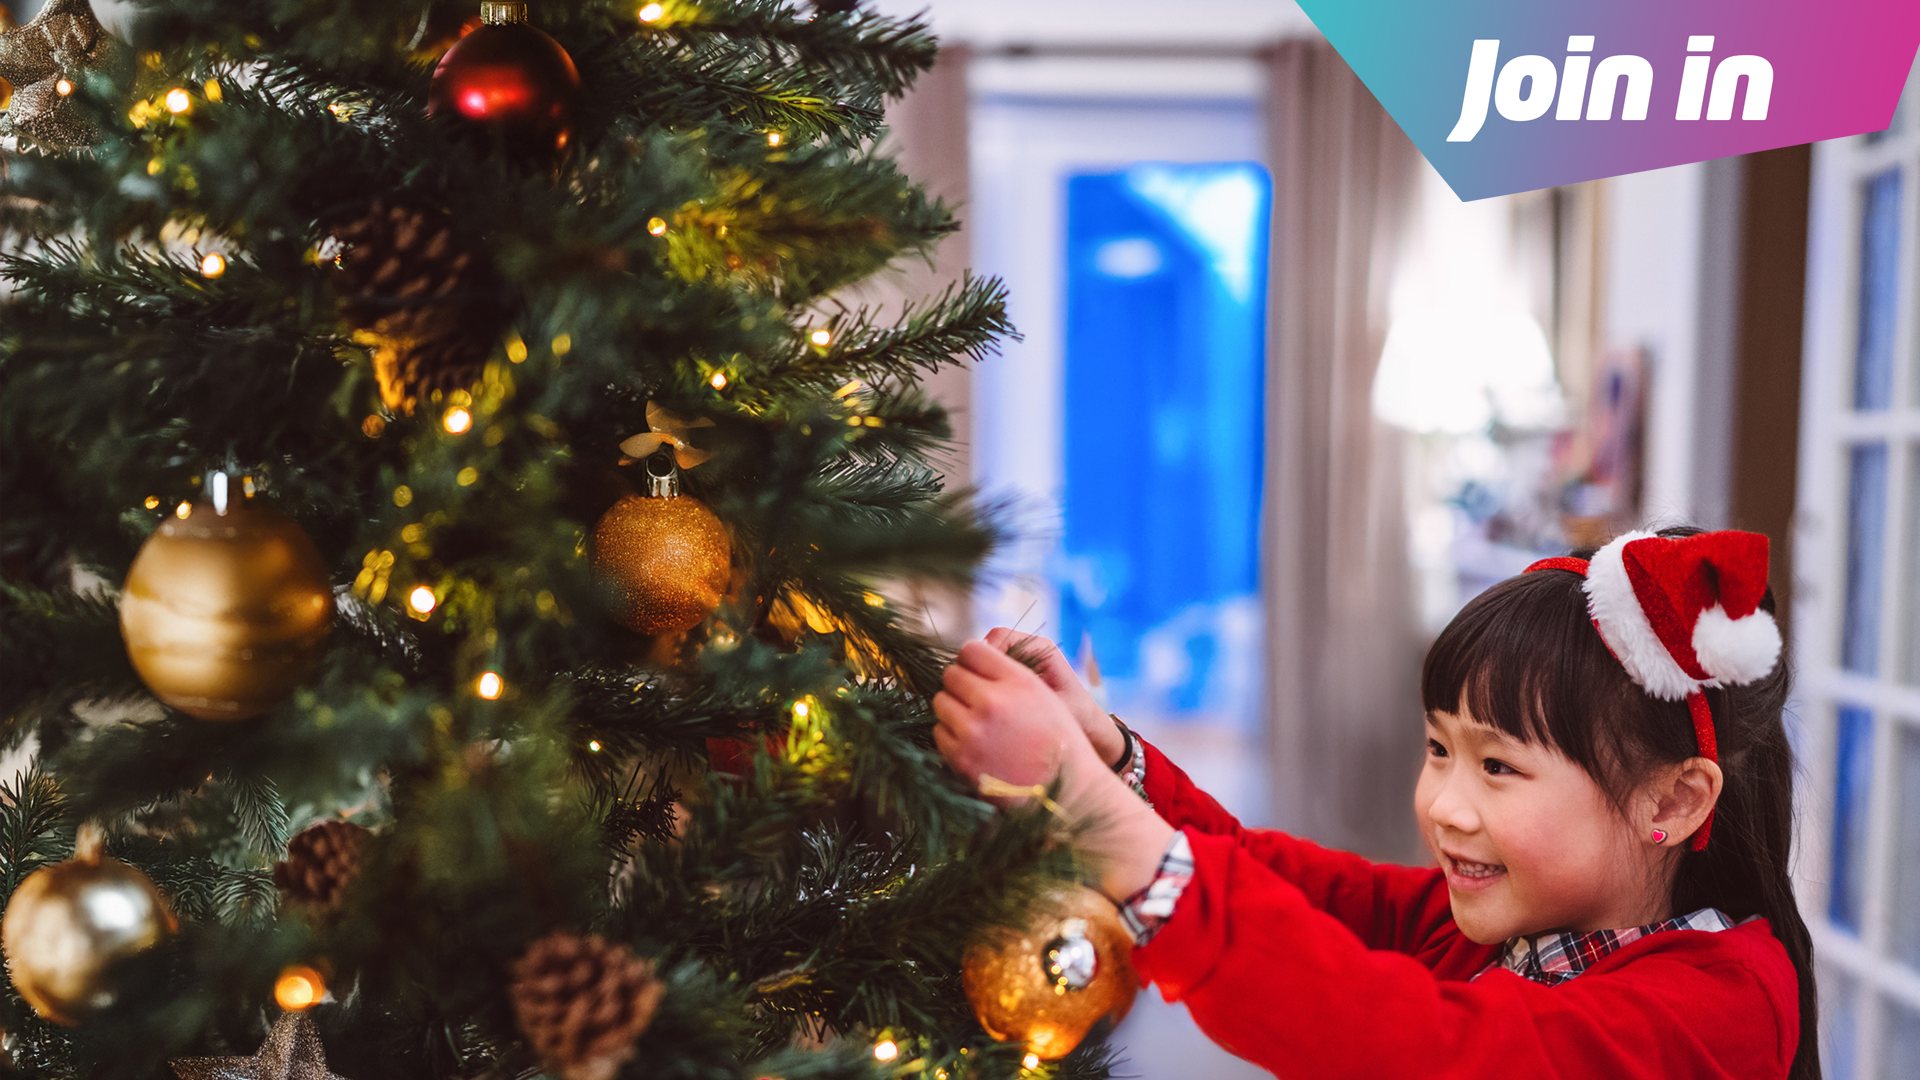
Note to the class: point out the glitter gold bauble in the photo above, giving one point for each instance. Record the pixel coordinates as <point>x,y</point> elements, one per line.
<point>43,61</point>
<point>71,928</point>
<point>224,614</point>
<point>1047,987</point>
<point>665,558</point>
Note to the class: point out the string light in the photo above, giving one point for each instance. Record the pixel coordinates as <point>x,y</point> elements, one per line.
<point>801,709</point>
<point>773,138</point>
<point>373,426</point>
<point>63,87</point>
<point>1031,1061</point>
<point>178,101</point>
<point>213,265</point>
<point>562,344</point>
<point>153,502</point>
<point>212,88</point>
<point>886,1050</point>
<point>489,686</point>
<point>657,226</point>
<point>298,987</point>
<point>594,745</point>
<point>821,337</point>
<point>182,511</point>
<point>652,13</point>
<point>517,350</point>
<point>421,599</point>
<point>719,380</point>
<point>402,495</point>
<point>457,421</point>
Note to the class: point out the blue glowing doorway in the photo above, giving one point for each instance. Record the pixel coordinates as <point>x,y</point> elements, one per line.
<point>1165,345</point>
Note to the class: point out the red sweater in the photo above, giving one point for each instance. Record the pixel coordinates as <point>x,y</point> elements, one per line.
<point>1316,963</point>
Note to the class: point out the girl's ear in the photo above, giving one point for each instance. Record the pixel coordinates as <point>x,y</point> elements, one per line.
<point>1683,796</point>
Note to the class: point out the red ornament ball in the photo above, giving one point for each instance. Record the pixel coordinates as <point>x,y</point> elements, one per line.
<point>511,79</point>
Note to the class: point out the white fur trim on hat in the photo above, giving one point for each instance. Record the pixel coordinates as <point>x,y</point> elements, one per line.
<point>1735,651</point>
<point>1624,627</point>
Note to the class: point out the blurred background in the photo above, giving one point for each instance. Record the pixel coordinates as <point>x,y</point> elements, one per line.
<point>1283,404</point>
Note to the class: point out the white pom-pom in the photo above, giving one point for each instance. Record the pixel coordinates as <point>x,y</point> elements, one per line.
<point>1736,651</point>
<point>1624,627</point>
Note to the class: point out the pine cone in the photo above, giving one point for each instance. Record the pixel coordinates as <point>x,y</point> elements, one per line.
<point>321,861</point>
<point>422,297</point>
<point>582,1002</point>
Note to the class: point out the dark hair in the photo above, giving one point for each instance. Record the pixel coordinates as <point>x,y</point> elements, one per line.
<point>1524,657</point>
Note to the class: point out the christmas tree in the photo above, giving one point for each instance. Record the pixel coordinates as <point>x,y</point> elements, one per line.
<point>449,518</point>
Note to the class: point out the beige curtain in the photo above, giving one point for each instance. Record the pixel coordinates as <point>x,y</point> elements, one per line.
<point>927,130</point>
<point>1344,643</point>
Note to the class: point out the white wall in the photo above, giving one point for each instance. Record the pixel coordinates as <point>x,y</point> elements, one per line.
<point>987,23</point>
<point>1653,295</point>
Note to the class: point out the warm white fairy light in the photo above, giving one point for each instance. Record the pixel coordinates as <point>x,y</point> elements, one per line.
<point>1031,1061</point>
<point>183,510</point>
<point>719,380</point>
<point>657,226</point>
<point>773,138</point>
<point>178,101</point>
<point>821,337</point>
<point>652,13</point>
<point>594,745</point>
<point>421,599</point>
<point>63,87</point>
<point>489,686</point>
<point>886,1050</point>
<point>213,265</point>
<point>801,709</point>
<point>457,421</point>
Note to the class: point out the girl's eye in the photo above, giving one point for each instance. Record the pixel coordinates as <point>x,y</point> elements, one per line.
<point>1496,767</point>
<point>1436,749</point>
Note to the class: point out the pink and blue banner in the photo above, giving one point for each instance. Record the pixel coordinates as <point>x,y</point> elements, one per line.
<point>1512,95</point>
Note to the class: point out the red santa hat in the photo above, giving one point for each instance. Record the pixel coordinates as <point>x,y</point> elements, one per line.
<point>1682,614</point>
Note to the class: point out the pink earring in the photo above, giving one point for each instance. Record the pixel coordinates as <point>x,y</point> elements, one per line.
<point>1659,836</point>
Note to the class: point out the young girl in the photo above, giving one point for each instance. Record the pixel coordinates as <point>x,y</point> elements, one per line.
<point>1607,795</point>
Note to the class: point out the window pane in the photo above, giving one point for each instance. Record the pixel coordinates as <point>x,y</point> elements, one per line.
<point>1839,1023</point>
<point>1853,769</point>
<point>1879,304</point>
<point>1866,546</point>
<point>1910,575</point>
<point>1906,885</point>
<point>1900,1057</point>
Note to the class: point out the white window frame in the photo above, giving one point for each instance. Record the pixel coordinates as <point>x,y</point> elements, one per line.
<point>1829,427</point>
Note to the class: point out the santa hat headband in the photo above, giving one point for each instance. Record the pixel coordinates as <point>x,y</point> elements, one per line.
<point>1682,614</point>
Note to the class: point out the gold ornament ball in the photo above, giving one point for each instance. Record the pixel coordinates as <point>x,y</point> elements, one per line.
<point>70,926</point>
<point>224,614</point>
<point>1046,987</point>
<point>666,560</point>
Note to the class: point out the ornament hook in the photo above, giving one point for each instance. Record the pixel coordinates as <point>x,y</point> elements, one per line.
<point>662,484</point>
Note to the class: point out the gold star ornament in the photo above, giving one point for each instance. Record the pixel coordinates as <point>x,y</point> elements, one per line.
<point>292,1052</point>
<point>43,63</point>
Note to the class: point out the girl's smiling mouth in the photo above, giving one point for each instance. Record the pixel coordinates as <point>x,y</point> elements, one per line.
<point>1467,875</point>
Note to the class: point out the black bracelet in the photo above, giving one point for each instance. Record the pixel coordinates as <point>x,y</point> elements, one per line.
<point>1127,743</point>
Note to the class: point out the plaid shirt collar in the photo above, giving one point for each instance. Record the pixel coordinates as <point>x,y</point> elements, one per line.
<point>1551,959</point>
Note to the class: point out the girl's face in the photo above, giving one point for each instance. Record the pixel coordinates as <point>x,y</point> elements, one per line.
<point>1528,841</point>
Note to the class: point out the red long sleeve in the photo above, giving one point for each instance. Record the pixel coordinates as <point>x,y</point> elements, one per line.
<point>1269,948</point>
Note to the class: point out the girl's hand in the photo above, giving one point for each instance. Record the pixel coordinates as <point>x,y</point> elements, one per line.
<point>1057,673</point>
<point>998,718</point>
